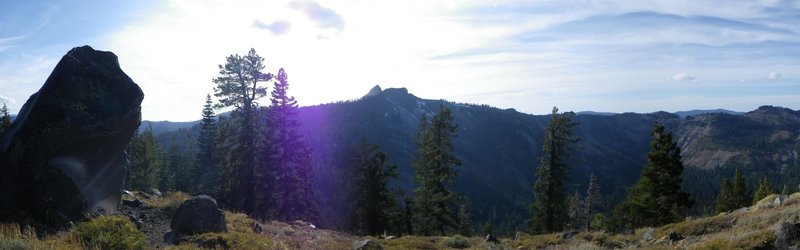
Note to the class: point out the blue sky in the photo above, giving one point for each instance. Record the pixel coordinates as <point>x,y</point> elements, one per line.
<point>614,56</point>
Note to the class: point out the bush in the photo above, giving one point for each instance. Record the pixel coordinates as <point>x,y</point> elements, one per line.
<point>457,241</point>
<point>233,240</point>
<point>111,232</point>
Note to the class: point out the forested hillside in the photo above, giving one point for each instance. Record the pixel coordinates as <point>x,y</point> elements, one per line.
<point>500,149</point>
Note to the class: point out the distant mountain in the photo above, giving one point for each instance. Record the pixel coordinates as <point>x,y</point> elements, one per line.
<point>696,112</point>
<point>595,113</point>
<point>501,148</point>
<point>160,127</point>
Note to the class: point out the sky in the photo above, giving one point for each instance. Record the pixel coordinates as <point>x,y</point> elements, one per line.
<point>579,55</point>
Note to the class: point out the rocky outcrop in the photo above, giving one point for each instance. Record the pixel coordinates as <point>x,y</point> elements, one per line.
<point>62,158</point>
<point>196,215</point>
<point>787,236</point>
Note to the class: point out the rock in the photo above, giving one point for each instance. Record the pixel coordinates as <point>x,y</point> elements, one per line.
<point>63,156</point>
<point>155,192</point>
<point>196,215</point>
<point>391,237</point>
<point>648,233</point>
<point>674,237</point>
<point>567,235</point>
<point>491,238</point>
<point>787,236</point>
<point>133,203</point>
<point>366,244</point>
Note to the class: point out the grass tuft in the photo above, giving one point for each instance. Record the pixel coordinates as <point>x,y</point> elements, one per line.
<point>111,232</point>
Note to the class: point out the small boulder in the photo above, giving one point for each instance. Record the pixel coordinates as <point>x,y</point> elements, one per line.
<point>133,203</point>
<point>366,244</point>
<point>567,235</point>
<point>155,192</point>
<point>787,236</point>
<point>648,233</point>
<point>196,215</point>
<point>491,238</point>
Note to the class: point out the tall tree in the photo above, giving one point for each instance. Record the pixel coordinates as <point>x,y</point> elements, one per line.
<point>739,197</point>
<point>207,170</point>
<point>725,197</point>
<point>575,212</point>
<point>435,205</point>
<point>5,118</point>
<point>549,209</point>
<point>764,189</point>
<point>656,198</point>
<point>145,162</point>
<point>287,159</point>
<point>376,206</point>
<point>594,200</point>
<point>238,86</point>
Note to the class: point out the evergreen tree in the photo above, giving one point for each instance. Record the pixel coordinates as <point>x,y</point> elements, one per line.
<point>764,189</point>
<point>576,215</point>
<point>226,145</point>
<point>375,204</point>
<point>287,159</point>
<point>145,162</point>
<point>725,197</point>
<point>549,210</point>
<point>5,119</point>
<point>435,205</point>
<point>208,172</point>
<point>238,86</point>
<point>656,199</point>
<point>739,196</point>
<point>594,200</point>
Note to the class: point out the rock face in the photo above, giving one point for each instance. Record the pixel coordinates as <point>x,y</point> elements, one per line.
<point>366,244</point>
<point>196,215</point>
<point>787,236</point>
<point>63,158</point>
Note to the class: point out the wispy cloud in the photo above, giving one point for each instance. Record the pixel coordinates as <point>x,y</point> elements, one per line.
<point>277,27</point>
<point>7,100</point>
<point>322,16</point>
<point>775,75</point>
<point>683,77</point>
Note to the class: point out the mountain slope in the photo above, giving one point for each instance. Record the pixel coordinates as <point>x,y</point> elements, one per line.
<point>500,149</point>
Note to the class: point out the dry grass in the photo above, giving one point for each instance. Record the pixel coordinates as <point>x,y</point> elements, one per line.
<point>169,201</point>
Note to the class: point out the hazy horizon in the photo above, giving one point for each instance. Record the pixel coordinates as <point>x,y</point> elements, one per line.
<point>611,56</point>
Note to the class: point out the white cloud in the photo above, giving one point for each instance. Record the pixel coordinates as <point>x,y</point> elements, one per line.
<point>7,100</point>
<point>322,16</point>
<point>683,77</point>
<point>277,28</point>
<point>775,75</point>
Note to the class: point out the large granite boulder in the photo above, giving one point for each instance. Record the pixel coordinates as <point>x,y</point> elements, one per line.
<point>197,215</point>
<point>62,159</point>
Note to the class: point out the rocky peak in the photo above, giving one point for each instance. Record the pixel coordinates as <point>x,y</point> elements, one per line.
<point>375,91</point>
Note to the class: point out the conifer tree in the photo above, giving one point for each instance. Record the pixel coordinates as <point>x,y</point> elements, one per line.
<point>5,119</point>
<point>145,162</point>
<point>549,211</point>
<point>376,206</point>
<point>576,215</point>
<point>208,172</point>
<point>434,205</point>
<point>594,200</point>
<point>739,196</point>
<point>656,198</point>
<point>238,86</point>
<point>725,197</point>
<point>287,159</point>
<point>764,189</point>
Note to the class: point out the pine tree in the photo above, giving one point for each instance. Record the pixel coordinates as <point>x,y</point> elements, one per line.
<point>594,200</point>
<point>576,215</point>
<point>238,86</point>
<point>656,199</point>
<point>207,170</point>
<point>146,164</point>
<point>764,189</point>
<point>375,203</point>
<point>725,197</point>
<point>739,196</point>
<point>5,119</point>
<point>287,159</point>
<point>435,205</point>
<point>549,209</point>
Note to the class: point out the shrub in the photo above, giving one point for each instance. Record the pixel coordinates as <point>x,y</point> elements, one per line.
<point>232,240</point>
<point>111,232</point>
<point>456,241</point>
